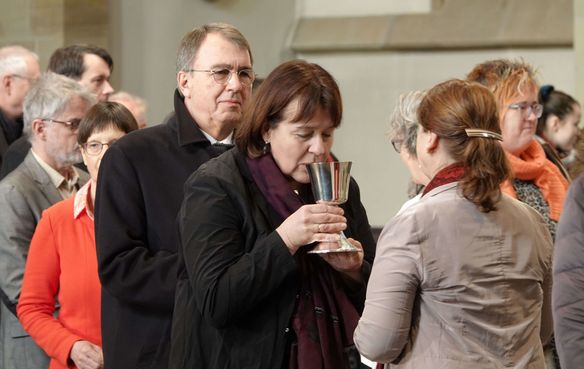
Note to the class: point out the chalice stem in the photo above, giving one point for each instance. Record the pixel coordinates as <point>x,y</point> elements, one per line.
<point>345,244</point>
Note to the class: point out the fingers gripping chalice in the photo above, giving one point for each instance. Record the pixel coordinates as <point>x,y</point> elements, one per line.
<point>330,185</point>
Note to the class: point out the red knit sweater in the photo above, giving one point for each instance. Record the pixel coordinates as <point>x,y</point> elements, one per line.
<point>62,266</point>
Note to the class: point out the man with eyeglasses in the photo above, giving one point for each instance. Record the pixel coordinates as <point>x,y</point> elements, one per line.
<point>141,189</point>
<point>91,66</point>
<point>19,68</point>
<point>53,109</point>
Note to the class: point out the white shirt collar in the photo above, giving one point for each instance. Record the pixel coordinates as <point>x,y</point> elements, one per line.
<point>57,178</point>
<point>227,140</point>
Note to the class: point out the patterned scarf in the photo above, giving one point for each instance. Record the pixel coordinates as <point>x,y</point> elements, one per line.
<point>532,165</point>
<point>324,318</point>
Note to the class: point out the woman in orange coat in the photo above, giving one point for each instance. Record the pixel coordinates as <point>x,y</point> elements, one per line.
<point>62,262</point>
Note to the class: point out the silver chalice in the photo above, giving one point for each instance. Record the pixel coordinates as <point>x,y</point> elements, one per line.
<point>330,185</point>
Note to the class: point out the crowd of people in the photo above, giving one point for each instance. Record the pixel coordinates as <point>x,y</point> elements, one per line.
<point>189,244</point>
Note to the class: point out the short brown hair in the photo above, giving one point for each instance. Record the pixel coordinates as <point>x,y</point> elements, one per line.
<point>505,78</point>
<point>103,115</point>
<point>309,84</point>
<point>192,41</point>
<point>447,110</point>
<point>69,61</point>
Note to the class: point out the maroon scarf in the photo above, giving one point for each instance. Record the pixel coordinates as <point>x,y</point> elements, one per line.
<point>324,318</point>
<point>451,173</point>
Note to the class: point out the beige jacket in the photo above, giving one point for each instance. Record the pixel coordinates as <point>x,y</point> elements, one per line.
<point>452,287</point>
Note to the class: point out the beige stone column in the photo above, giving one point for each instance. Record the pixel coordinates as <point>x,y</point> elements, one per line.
<point>44,25</point>
<point>579,49</point>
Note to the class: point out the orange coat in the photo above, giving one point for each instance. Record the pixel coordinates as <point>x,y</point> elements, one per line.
<point>62,266</point>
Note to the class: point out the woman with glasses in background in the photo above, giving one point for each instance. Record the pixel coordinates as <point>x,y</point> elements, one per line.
<point>62,262</point>
<point>403,131</point>
<point>535,180</point>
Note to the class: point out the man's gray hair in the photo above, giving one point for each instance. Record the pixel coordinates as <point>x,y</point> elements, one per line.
<point>403,123</point>
<point>49,96</point>
<point>193,40</point>
<point>13,60</point>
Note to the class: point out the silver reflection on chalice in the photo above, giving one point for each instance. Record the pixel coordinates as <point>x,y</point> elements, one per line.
<point>330,185</point>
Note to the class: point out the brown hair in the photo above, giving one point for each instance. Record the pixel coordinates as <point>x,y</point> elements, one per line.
<point>103,115</point>
<point>68,61</point>
<point>554,102</point>
<point>447,110</point>
<point>505,78</point>
<point>309,84</point>
<point>192,41</point>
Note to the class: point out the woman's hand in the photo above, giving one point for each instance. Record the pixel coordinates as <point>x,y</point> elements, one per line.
<point>347,263</point>
<point>86,355</point>
<point>312,223</point>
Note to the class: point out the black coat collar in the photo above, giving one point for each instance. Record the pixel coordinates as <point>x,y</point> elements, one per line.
<point>188,130</point>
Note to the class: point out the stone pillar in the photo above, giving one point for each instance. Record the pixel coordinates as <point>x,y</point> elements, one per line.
<point>44,25</point>
<point>579,49</point>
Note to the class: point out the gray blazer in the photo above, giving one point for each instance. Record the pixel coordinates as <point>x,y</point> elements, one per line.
<point>24,194</point>
<point>452,287</point>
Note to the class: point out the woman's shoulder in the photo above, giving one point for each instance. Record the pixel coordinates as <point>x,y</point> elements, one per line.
<point>224,165</point>
<point>60,210</point>
<point>518,208</point>
<point>224,170</point>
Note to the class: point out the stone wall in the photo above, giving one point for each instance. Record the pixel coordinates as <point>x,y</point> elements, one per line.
<point>44,25</point>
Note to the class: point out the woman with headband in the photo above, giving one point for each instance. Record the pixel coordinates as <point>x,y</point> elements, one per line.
<point>462,278</point>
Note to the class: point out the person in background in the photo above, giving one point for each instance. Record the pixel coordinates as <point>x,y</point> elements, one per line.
<point>19,69</point>
<point>140,190</point>
<point>568,295</point>
<point>91,66</point>
<point>53,108</point>
<point>575,163</point>
<point>536,180</point>
<point>462,278</point>
<point>62,263</point>
<point>249,293</point>
<point>135,104</point>
<point>402,134</point>
<point>557,128</point>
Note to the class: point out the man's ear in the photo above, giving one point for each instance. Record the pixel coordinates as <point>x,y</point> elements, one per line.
<point>6,83</point>
<point>39,129</point>
<point>183,81</point>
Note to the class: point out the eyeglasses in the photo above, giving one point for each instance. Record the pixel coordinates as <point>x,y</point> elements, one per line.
<point>526,109</point>
<point>30,80</point>
<point>223,76</point>
<point>95,148</point>
<point>397,145</point>
<point>73,124</point>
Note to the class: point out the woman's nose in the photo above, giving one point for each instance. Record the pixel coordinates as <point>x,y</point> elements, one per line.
<point>317,146</point>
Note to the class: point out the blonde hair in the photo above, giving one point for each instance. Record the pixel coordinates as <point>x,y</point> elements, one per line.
<point>506,79</point>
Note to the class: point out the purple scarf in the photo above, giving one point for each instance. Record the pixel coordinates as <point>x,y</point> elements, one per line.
<point>324,318</point>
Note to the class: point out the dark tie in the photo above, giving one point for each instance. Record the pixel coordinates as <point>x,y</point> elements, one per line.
<point>218,148</point>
